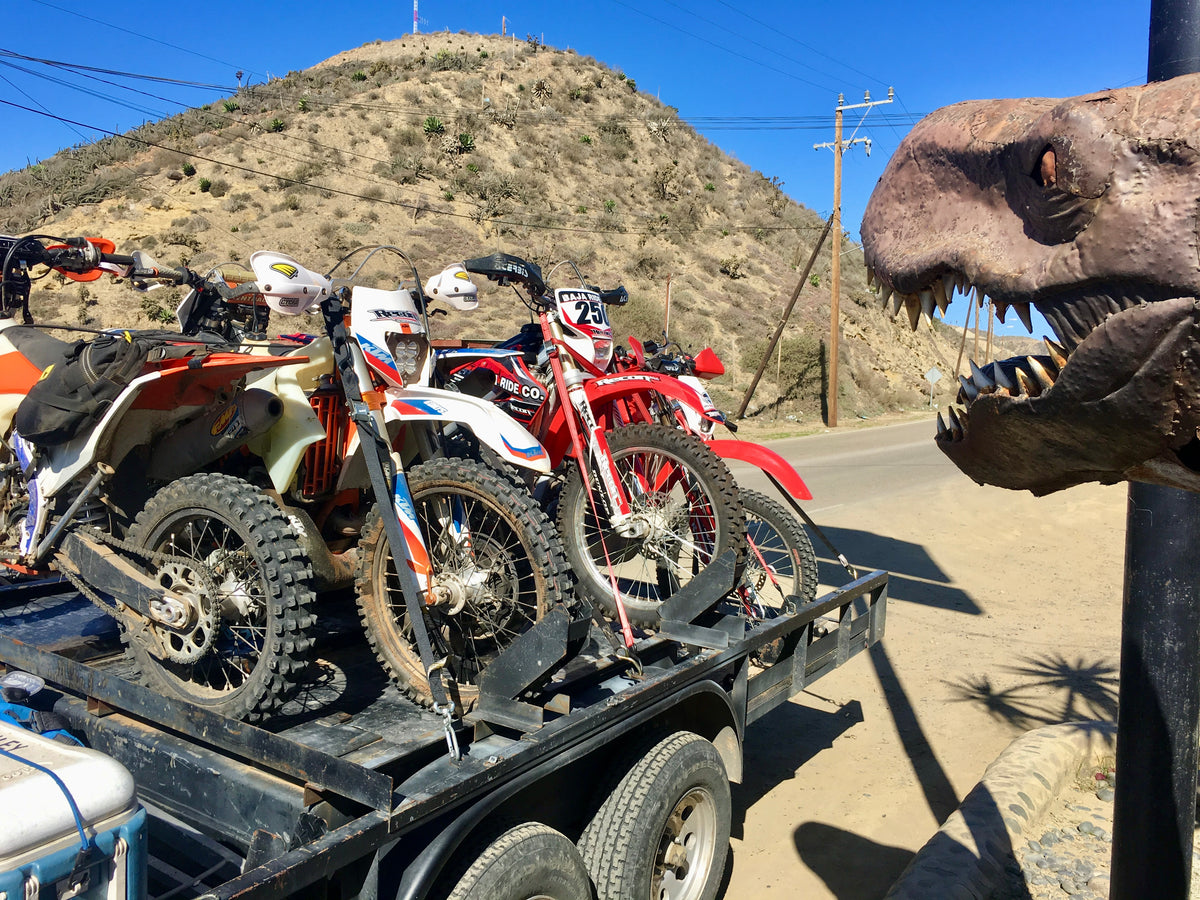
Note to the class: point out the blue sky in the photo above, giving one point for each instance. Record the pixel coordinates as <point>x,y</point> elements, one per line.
<point>770,72</point>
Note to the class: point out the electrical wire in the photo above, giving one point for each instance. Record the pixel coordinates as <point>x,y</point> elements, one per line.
<point>592,229</point>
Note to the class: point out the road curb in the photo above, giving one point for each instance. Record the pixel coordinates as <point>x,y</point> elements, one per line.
<point>965,859</point>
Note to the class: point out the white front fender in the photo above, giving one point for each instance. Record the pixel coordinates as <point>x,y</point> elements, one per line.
<point>507,437</point>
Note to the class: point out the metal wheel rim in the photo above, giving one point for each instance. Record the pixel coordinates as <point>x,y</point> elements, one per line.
<point>238,643</point>
<point>676,554</point>
<point>471,637</point>
<point>686,848</point>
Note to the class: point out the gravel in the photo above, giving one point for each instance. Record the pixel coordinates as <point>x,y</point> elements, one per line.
<point>1069,852</point>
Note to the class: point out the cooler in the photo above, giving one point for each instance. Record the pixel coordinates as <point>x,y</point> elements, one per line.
<point>39,831</point>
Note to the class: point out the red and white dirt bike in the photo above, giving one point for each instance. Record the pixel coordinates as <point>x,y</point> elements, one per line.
<point>104,446</point>
<point>482,558</point>
<point>781,566</point>
<point>664,386</point>
<point>642,509</point>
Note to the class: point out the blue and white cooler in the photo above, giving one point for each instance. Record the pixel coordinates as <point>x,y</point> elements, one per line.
<point>70,823</point>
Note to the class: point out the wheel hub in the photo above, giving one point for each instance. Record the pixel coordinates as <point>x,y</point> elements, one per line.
<point>189,617</point>
<point>686,848</point>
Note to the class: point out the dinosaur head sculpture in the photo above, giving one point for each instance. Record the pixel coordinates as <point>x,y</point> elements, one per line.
<point>1088,209</point>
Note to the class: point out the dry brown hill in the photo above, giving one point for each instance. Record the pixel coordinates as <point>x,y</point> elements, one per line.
<point>455,145</point>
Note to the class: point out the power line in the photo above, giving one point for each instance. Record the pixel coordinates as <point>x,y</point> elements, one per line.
<point>146,37</point>
<point>80,67</point>
<point>750,59</point>
<point>591,229</point>
<point>795,40</point>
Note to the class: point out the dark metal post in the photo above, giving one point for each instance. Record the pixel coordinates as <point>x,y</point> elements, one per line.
<point>1154,814</point>
<point>1155,805</point>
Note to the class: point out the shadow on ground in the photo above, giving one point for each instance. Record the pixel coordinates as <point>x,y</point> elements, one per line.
<point>852,867</point>
<point>913,575</point>
<point>782,741</point>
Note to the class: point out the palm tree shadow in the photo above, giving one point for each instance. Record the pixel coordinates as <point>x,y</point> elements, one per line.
<point>1054,690</point>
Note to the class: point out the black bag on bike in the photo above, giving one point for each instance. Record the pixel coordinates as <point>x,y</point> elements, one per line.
<point>74,393</point>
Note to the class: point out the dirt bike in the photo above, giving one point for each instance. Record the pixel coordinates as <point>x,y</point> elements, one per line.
<point>664,505</point>
<point>479,554</point>
<point>781,565</point>
<point>780,562</point>
<point>105,443</point>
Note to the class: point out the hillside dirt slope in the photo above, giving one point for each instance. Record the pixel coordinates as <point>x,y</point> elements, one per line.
<point>456,145</point>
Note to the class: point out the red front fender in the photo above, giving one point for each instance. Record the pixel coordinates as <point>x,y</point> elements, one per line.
<point>766,459</point>
<point>603,391</point>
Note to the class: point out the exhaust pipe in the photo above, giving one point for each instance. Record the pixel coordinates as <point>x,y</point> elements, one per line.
<point>213,434</point>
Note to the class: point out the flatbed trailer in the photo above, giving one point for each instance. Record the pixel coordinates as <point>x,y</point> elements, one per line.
<point>352,792</point>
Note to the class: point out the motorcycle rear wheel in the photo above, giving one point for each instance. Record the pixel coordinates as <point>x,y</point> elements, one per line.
<point>260,613</point>
<point>515,567</point>
<point>693,515</point>
<point>788,564</point>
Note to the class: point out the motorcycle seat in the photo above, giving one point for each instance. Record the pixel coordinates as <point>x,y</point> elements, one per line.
<point>38,346</point>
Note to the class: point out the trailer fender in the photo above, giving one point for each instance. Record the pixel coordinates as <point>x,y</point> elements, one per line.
<point>766,459</point>
<point>724,730</point>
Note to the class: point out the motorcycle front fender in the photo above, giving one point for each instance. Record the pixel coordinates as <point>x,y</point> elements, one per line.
<point>507,437</point>
<point>766,459</point>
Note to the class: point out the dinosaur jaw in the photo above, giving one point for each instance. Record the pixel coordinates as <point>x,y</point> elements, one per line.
<point>1117,396</point>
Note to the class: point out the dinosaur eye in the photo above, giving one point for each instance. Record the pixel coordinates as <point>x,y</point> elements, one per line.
<point>1044,197</point>
<point>1047,172</point>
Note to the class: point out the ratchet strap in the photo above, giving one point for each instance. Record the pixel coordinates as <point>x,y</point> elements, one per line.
<point>845,563</point>
<point>375,452</point>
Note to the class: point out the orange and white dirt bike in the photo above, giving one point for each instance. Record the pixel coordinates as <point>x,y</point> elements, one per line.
<point>370,457</point>
<point>104,445</point>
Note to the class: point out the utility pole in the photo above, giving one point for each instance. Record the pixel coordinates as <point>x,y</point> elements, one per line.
<point>835,274</point>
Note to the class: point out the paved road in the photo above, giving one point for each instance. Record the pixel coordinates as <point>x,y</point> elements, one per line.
<point>844,468</point>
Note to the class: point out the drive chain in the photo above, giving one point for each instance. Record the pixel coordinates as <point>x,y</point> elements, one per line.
<point>132,619</point>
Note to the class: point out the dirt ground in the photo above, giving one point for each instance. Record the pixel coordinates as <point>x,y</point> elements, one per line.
<point>1004,615</point>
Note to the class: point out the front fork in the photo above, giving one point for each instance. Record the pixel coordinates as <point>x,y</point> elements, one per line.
<point>594,447</point>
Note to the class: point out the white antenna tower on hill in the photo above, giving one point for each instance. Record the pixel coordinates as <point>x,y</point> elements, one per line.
<point>414,16</point>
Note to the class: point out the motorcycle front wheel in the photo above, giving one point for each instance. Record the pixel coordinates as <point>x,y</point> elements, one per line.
<point>685,503</point>
<point>244,647</point>
<point>497,567</point>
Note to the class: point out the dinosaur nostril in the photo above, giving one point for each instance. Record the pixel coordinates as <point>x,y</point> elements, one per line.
<point>1047,173</point>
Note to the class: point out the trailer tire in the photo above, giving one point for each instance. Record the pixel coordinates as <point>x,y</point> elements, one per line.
<point>530,860</point>
<point>664,828</point>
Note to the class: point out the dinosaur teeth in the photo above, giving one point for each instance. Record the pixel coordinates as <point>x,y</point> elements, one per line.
<point>871,283</point>
<point>949,282</point>
<point>1001,310</point>
<point>1058,353</point>
<point>955,429</point>
<point>955,425</point>
<point>969,391</point>
<point>1023,314</point>
<point>1027,384</point>
<point>926,303</point>
<point>885,294</point>
<point>940,296</point>
<point>1042,375</point>
<point>912,303</point>
<point>982,381</point>
<point>897,302</point>
<point>1002,379</point>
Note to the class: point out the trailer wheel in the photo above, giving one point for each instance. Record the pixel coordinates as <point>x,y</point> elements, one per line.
<point>663,831</point>
<point>529,861</point>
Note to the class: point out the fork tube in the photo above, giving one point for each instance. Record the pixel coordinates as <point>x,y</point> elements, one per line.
<point>597,446</point>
